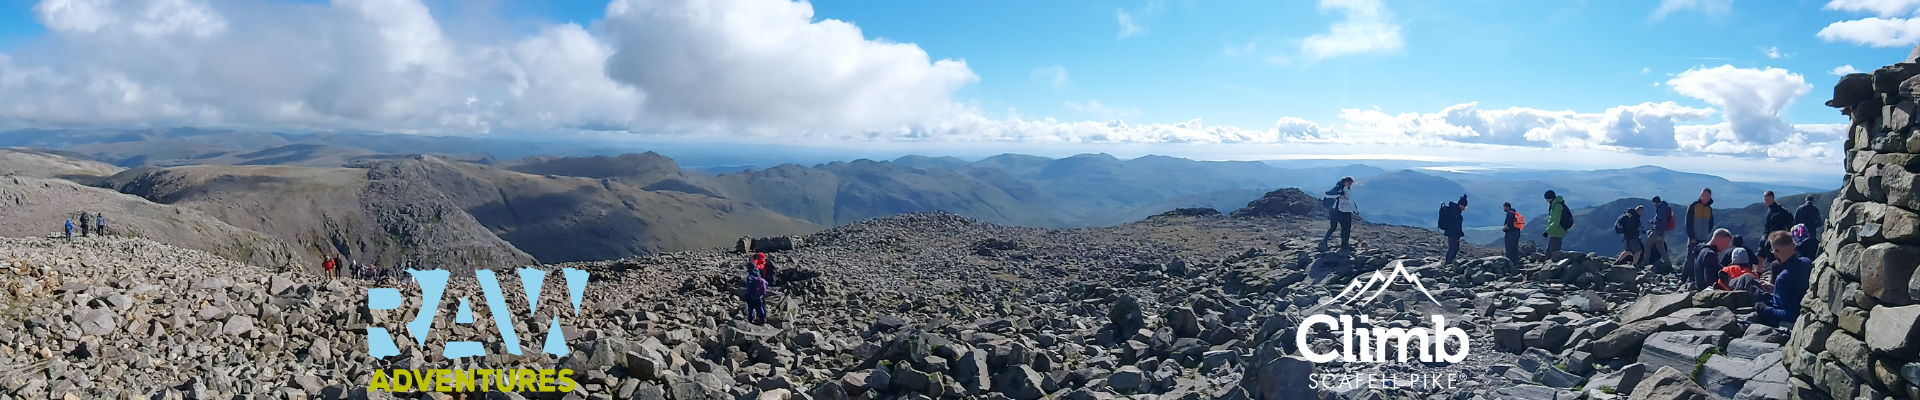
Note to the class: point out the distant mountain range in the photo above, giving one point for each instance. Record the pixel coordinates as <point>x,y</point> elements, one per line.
<point>388,197</point>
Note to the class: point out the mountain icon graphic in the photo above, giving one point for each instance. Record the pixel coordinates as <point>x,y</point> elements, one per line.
<point>1377,283</point>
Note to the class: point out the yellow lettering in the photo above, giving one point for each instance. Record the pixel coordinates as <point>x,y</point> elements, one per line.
<point>444,382</point>
<point>523,380</point>
<point>566,383</point>
<point>402,380</point>
<point>380,382</point>
<point>546,380</point>
<point>463,380</point>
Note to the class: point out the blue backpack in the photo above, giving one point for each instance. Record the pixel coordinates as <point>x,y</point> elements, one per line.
<point>756,287</point>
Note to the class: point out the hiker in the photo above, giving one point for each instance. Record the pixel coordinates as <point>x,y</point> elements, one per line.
<point>85,220</point>
<point>100,224</point>
<point>1780,303</point>
<point>1512,227</point>
<point>1656,243</point>
<point>1700,218</point>
<point>1778,220</point>
<point>1559,219</point>
<point>69,234</point>
<point>760,265</point>
<point>770,272</point>
<point>1703,268</point>
<point>1628,227</point>
<point>1341,215</point>
<point>1740,274</point>
<point>1808,214</point>
<point>756,297</point>
<point>1450,221</point>
<point>327,266</point>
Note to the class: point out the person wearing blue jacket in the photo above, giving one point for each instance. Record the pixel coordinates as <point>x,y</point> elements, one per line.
<point>1656,243</point>
<point>1782,304</point>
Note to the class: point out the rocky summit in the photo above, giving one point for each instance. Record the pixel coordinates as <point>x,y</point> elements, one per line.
<point>925,305</point>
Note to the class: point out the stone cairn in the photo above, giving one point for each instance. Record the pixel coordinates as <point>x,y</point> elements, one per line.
<point>1856,337</point>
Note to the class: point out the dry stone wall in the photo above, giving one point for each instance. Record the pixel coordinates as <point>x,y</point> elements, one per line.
<point>1856,335</point>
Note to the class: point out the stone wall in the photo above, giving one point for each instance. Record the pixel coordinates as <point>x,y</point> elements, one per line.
<point>1855,338</point>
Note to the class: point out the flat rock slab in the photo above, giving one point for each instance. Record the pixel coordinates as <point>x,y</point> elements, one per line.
<point>1678,350</point>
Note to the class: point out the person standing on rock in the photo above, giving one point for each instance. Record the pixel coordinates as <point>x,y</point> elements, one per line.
<point>1558,220</point>
<point>1704,268</point>
<point>1656,244</point>
<point>100,224</point>
<point>1451,219</point>
<point>756,298</point>
<point>1341,216</point>
<point>1778,220</point>
<point>1808,214</point>
<point>69,234</point>
<point>1512,227</point>
<point>85,219</point>
<point>1780,303</point>
<point>1628,227</point>
<point>1700,218</point>
<point>327,265</point>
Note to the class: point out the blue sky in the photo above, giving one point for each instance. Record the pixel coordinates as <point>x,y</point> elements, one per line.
<point>1606,82</point>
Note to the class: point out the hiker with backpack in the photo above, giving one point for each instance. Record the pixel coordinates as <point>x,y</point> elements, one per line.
<point>1628,227</point>
<point>85,221</point>
<point>1656,244</point>
<point>1512,227</point>
<point>1739,274</point>
<point>1450,225</point>
<point>1700,219</point>
<point>69,234</point>
<point>100,224</point>
<point>1340,214</point>
<point>763,266</point>
<point>1559,220</point>
<point>756,298</point>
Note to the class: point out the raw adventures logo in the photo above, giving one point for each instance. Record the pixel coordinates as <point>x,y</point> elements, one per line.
<point>1362,342</point>
<point>433,285</point>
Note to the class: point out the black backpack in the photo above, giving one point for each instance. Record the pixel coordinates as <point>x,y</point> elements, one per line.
<point>1449,216</point>
<point>1566,217</point>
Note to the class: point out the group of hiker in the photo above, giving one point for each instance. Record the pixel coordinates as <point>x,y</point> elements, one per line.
<point>1776,271</point>
<point>335,267</point>
<point>90,224</point>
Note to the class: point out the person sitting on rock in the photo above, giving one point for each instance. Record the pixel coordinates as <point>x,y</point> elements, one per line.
<point>1780,303</point>
<point>1740,275</point>
<point>1804,244</point>
<point>756,298</point>
<point>1704,268</point>
<point>1628,227</point>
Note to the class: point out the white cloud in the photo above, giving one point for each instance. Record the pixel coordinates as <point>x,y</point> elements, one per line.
<point>1365,29</point>
<point>1883,8</point>
<point>1055,76</point>
<point>149,18</point>
<point>1773,52</point>
<point>1712,8</point>
<point>1643,126</point>
<point>765,66</point>
<point>1843,70</point>
<point>1753,98</point>
<point>1874,31</point>
<point>1645,70</point>
<point>1127,27</point>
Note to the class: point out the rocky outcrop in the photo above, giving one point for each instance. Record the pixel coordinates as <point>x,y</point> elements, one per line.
<point>1288,201</point>
<point>1856,334</point>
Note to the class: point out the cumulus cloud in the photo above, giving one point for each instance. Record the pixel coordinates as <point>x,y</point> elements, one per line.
<point>1127,27</point>
<point>1883,8</point>
<point>1753,98</point>
<point>663,66</point>
<point>1843,70</point>
<point>765,65</point>
<point>1365,29</point>
<point>1712,8</point>
<point>1874,31</point>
